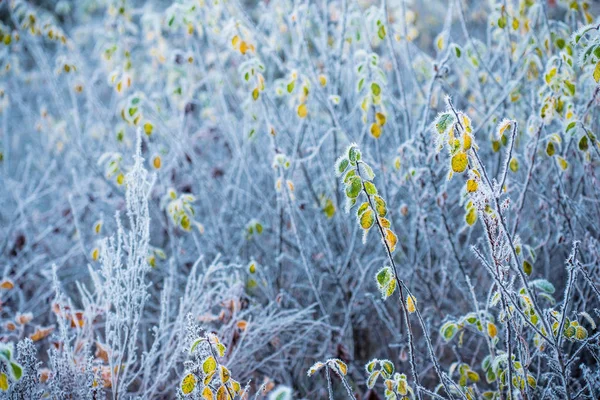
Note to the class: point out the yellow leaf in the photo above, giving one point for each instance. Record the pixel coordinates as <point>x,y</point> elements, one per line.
<point>209,365</point>
<point>322,80</point>
<point>390,288</point>
<point>467,123</point>
<point>302,111</point>
<point>317,366</point>
<point>342,367</point>
<point>597,72</point>
<point>156,162</point>
<point>207,394</point>
<point>367,219</point>
<point>188,384</point>
<point>222,393</point>
<point>472,185</point>
<point>242,325</point>
<point>375,130</point>
<point>224,374</point>
<point>467,141</point>
<point>471,216</point>
<point>384,222</point>
<point>380,118</point>
<point>550,75</point>
<point>3,382</point>
<point>235,41</point>
<point>440,42</point>
<point>148,128</point>
<point>243,47</point>
<point>411,304</point>
<point>562,163</point>
<point>459,162</point>
<point>208,378</point>
<point>391,239</point>
<point>7,284</point>
<point>504,125</point>
<point>492,330</point>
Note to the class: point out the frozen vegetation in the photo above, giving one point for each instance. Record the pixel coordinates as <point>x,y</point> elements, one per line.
<point>299,199</point>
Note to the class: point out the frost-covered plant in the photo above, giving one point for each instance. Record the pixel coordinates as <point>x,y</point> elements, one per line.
<point>205,376</point>
<point>121,286</point>
<point>479,119</point>
<point>339,367</point>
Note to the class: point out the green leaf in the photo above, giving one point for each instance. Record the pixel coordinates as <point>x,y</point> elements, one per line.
<point>370,188</point>
<point>375,89</point>
<point>527,267</point>
<point>384,276</point>
<point>341,165</point>
<point>486,363</point>
<point>443,122</point>
<point>209,365</point>
<point>457,51</point>
<point>448,330</point>
<point>353,153</point>
<point>366,171</point>
<point>363,207</point>
<point>381,32</point>
<point>502,22</point>
<point>550,149</point>
<point>490,376</point>
<point>386,282</point>
<point>471,318</point>
<point>329,209</point>
<point>353,187</point>
<point>17,371</point>
<point>514,164</point>
<point>570,87</point>
<point>349,175</point>
<point>387,367</point>
<point>361,82</point>
<point>371,365</point>
<point>583,143</point>
<point>5,353</point>
<point>543,285</point>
